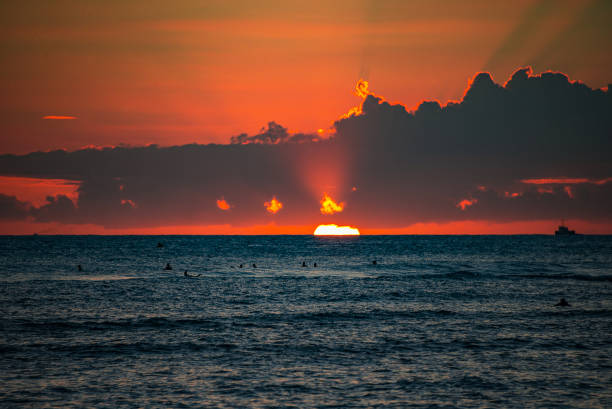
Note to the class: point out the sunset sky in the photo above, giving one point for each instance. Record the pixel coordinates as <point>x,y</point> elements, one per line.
<point>121,100</point>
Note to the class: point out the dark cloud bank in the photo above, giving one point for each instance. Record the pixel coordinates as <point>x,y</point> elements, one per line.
<point>407,167</point>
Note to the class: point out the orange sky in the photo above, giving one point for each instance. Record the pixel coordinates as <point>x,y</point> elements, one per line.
<point>451,228</point>
<point>95,73</point>
<point>170,73</point>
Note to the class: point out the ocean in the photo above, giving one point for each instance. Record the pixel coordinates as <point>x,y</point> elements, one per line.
<point>438,321</point>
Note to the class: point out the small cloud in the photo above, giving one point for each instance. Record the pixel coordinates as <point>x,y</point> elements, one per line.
<point>273,205</point>
<point>272,135</point>
<point>128,202</point>
<point>361,89</point>
<point>222,204</point>
<point>465,203</point>
<point>59,117</point>
<point>512,194</point>
<point>547,189</point>
<point>566,181</point>
<point>328,206</point>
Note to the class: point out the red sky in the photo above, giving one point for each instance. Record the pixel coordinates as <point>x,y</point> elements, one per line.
<point>97,73</point>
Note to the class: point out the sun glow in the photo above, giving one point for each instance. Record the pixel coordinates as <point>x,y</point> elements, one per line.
<point>335,230</point>
<point>328,206</point>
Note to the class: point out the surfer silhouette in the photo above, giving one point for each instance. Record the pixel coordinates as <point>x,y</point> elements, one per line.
<point>80,268</point>
<point>186,274</point>
<point>168,267</point>
<point>562,303</point>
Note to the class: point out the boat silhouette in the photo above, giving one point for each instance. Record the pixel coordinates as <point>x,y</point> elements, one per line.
<point>564,231</point>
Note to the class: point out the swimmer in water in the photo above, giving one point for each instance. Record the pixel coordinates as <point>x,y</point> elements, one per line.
<point>186,274</point>
<point>240,266</point>
<point>562,303</point>
<point>168,267</point>
<point>374,262</point>
<point>254,266</point>
<point>304,264</point>
<point>80,268</point>
<point>315,264</point>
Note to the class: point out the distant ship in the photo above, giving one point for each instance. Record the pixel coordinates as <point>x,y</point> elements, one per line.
<point>564,231</point>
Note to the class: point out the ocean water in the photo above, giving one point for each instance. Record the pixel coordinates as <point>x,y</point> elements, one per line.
<point>438,321</point>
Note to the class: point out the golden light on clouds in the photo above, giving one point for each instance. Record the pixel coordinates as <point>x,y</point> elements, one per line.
<point>273,205</point>
<point>361,89</point>
<point>329,206</point>
<point>335,230</point>
<point>465,203</point>
<point>223,204</point>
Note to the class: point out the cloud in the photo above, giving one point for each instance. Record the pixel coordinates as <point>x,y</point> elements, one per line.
<point>12,209</point>
<point>59,117</point>
<point>329,206</point>
<point>466,203</point>
<point>128,202</point>
<point>223,205</point>
<point>273,206</point>
<point>564,181</point>
<point>58,208</point>
<point>273,134</point>
<point>531,137</point>
<point>361,89</point>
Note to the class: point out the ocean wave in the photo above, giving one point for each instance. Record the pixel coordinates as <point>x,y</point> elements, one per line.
<point>565,276</point>
<point>115,348</point>
<point>153,322</point>
<point>255,320</point>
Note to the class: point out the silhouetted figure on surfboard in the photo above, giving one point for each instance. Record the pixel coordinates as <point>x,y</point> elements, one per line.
<point>168,267</point>
<point>562,303</point>
<point>304,264</point>
<point>186,274</point>
<point>80,268</point>
<point>374,262</point>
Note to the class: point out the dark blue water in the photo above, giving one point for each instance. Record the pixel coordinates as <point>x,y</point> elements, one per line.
<point>438,322</point>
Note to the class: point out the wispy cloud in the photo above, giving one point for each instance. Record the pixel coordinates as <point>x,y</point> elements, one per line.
<point>59,117</point>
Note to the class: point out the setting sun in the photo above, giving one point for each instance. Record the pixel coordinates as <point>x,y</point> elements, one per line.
<point>335,230</point>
